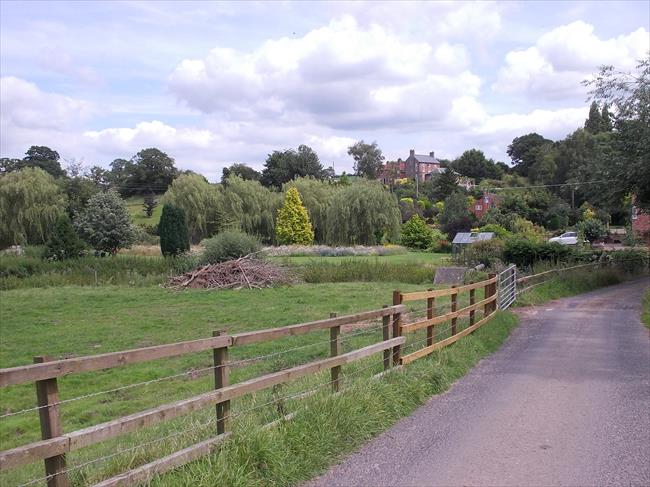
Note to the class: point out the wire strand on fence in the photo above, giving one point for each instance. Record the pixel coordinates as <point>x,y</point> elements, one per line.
<point>195,427</point>
<point>191,372</point>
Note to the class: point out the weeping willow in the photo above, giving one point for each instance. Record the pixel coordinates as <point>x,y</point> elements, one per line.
<point>203,204</point>
<point>251,207</point>
<point>316,197</point>
<point>30,204</point>
<point>362,214</point>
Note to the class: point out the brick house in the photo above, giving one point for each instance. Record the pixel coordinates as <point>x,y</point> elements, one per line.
<point>424,165</point>
<point>641,223</point>
<point>481,205</point>
<point>391,171</point>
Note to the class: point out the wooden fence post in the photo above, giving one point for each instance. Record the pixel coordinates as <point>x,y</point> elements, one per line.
<point>386,329</point>
<point>430,329</point>
<point>397,326</point>
<point>472,300</point>
<point>454,307</point>
<point>335,349</point>
<point>221,379</point>
<point>47,396</point>
<point>493,291</point>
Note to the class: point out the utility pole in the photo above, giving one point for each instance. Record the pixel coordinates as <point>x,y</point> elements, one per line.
<point>417,180</point>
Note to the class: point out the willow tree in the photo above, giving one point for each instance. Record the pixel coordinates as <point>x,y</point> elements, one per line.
<point>250,207</point>
<point>201,201</point>
<point>316,196</point>
<point>30,205</point>
<point>363,214</point>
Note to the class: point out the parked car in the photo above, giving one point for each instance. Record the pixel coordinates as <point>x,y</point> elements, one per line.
<point>567,238</point>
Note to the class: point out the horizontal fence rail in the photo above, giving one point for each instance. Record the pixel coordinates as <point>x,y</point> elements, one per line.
<point>395,328</point>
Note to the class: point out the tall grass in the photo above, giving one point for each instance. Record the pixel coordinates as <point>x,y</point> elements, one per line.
<point>645,313</point>
<point>18,272</point>
<point>574,282</point>
<point>368,270</point>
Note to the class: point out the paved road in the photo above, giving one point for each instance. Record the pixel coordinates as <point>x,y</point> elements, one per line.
<point>566,402</point>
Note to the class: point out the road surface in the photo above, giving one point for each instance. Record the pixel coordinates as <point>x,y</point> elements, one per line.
<point>566,401</point>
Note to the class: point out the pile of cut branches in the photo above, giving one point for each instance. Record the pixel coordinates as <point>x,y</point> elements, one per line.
<point>245,272</point>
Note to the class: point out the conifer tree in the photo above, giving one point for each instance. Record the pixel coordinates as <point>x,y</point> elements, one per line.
<point>594,123</point>
<point>64,243</point>
<point>174,236</point>
<point>293,226</point>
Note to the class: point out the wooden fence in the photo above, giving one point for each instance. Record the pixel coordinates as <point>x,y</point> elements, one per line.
<point>54,446</point>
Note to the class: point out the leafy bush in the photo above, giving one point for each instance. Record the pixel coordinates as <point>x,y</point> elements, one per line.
<point>631,261</point>
<point>498,230</point>
<point>592,229</point>
<point>228,245</point>
<point>174,235</point>
<point>416,234</point>
<point>105,223</point>
<point>293,225</point>
<point>554,252</point>
<point>143,237</point>
<point>64,243</point>
<point>486,252</point>
<point>520,251</point>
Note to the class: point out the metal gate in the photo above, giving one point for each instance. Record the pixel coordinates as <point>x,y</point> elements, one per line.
<point>507,287</point>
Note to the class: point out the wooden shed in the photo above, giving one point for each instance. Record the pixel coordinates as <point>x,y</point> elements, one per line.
<point>463,240</point>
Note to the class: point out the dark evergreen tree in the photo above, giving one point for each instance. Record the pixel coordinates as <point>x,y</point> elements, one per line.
<point>594,123</point>
<point>174,236</point>
<point>63,243</point>
<point>149,204</point>
<point>606,120</point>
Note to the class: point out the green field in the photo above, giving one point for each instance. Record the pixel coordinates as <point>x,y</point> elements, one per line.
<point>69,321</point>
<point>134,205</point>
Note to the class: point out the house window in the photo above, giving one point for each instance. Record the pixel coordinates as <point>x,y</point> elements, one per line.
<point>635,213</point>
<point>479,207</point>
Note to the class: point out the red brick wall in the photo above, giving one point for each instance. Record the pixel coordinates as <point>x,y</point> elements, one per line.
<point>641,224</point>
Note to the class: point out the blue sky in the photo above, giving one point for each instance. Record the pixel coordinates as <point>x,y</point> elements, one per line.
<point>216,83</point>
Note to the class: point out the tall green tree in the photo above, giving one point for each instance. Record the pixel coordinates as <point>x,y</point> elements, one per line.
<point>202,202</point>
<point>44,158</point>
<point>455,216</point>
<point>241,170</point>
<point>30,204</point>
<point>63,242</point>
<point>316,196</point>
<point>363,213</point>
<point>442,186</point>
<point>522,152</point>
<point>283,166</point>
<point>174,237</point>
<point>105,223</point>
<point>594,122</point>
<point>629,94</point>
<point>293,226</point>
<point>368,159</point>
<point>473,164</point>
<point>251,207</point>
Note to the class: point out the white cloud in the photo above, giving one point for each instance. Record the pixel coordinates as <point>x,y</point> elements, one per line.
<point>148,134</point>
<point>561,58</point>
<point>340,75</point>
<point>23,104</point>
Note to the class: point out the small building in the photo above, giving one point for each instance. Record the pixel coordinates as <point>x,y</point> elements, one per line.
<point>483,204</point>
<point>463,240</point>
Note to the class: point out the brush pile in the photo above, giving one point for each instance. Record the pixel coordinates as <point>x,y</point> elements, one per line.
<point>246,272</point>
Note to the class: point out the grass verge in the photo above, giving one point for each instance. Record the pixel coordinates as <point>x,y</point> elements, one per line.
<point>645,312</point>
<point>570,284</point>
<point>328,427</point>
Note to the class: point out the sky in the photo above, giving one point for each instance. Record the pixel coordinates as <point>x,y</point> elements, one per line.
<point>214,83</point>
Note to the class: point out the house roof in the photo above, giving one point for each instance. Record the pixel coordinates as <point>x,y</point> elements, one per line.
<point>468,238</point>
<point>426,158</point>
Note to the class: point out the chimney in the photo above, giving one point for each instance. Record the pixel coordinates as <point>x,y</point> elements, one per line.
<point>413,152</point>
<point>432,154</point>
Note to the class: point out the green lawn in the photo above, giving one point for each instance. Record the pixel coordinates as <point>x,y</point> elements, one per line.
<point>134,205</point>
<point>73,321</point>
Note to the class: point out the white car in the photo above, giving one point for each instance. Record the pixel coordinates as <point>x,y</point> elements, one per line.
<point>567,238</point>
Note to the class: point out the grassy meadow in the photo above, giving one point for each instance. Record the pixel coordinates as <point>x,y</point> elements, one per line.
<point>51,309</point>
